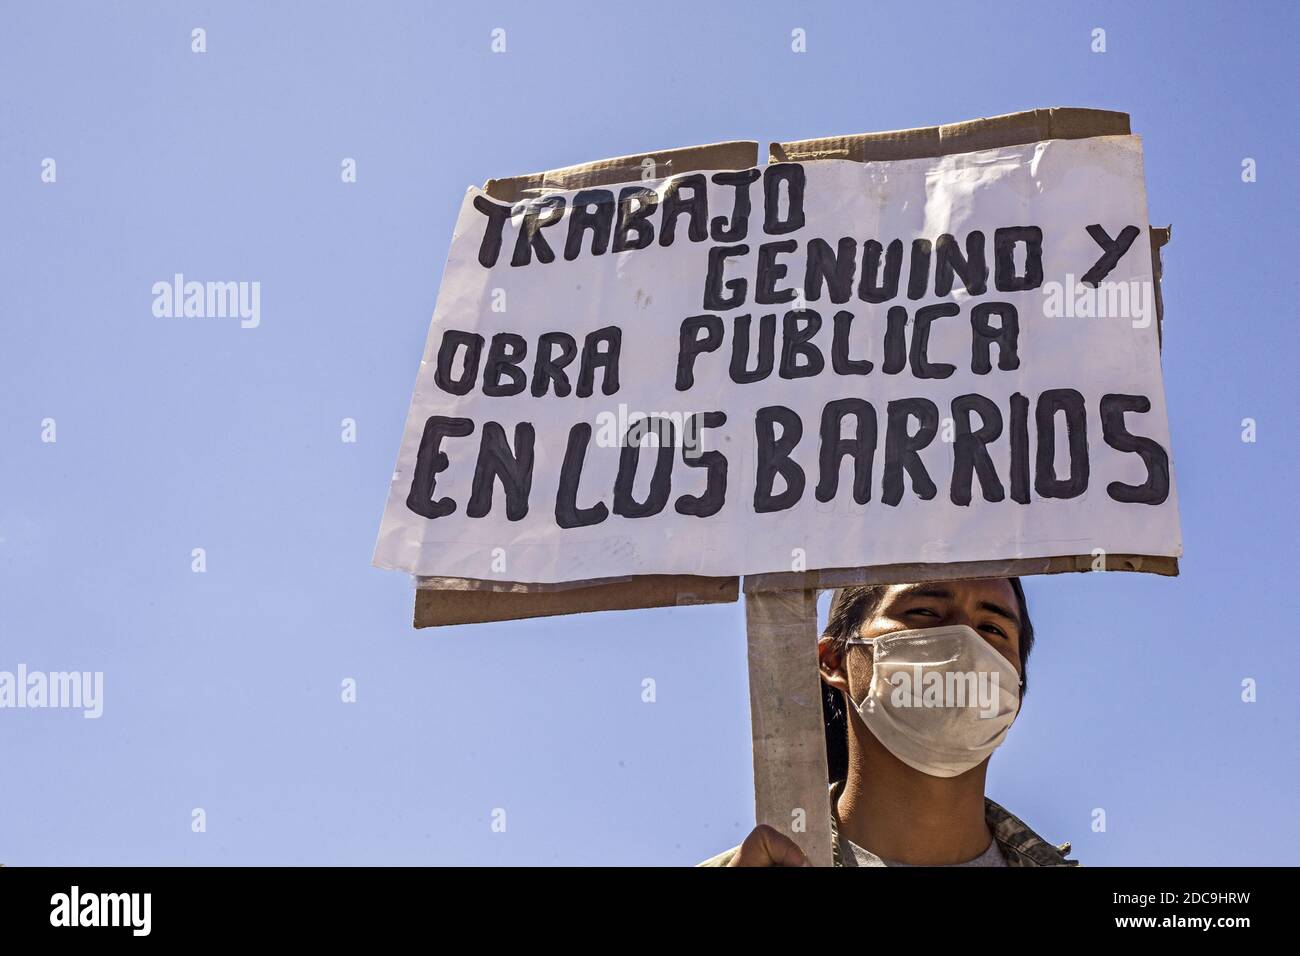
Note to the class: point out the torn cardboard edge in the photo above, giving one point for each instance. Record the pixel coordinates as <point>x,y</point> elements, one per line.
<point>736,154</point>
<point>1160,237</point>
<point>956,571</point>
<point>481,602</point>
<point>443,601</point>
<point>991,132</point>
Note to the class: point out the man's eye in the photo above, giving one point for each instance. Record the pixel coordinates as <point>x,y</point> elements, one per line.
<point>995,629</point>
<point>923,610</point>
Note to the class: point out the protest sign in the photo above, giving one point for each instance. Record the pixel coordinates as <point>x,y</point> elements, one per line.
<point>809,365</point>
<point>936,311</point>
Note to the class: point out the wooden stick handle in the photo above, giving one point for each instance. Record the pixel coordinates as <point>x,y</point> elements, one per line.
<point>790,778</point>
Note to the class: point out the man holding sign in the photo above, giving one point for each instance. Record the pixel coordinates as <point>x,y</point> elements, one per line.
<point>912,364</point>
<point>908,745</point>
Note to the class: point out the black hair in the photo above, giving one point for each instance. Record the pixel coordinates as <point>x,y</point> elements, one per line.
<point>854,606</point>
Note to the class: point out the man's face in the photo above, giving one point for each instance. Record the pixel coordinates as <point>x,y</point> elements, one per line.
<point>989,607</point>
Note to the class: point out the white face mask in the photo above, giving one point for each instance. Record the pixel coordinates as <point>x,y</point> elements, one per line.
<point>941,699</point>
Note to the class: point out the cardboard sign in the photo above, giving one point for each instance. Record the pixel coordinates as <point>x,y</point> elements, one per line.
<point>808,365</point>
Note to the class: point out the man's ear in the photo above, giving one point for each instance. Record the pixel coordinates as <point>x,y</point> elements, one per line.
<point>830,663</point>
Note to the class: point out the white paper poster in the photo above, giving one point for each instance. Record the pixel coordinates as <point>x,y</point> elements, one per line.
<point>798,366</point>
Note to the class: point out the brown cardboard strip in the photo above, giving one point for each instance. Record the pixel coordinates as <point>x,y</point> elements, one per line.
<point>954,571</point>
<point>1010,129</point>
<point>466,604</point>
<point>738,154</point>
<point>1159,238</point>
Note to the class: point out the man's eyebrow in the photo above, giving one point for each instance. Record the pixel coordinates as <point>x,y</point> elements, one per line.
<point>942,594</point>
<point>999,610</point>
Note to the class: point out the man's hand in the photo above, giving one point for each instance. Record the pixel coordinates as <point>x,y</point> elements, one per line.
<point>766,846</point>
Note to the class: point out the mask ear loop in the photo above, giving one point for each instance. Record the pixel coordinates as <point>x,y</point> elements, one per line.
<point>865,642</point>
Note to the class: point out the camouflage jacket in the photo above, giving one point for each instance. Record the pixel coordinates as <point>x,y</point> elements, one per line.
<point>1020,845</point>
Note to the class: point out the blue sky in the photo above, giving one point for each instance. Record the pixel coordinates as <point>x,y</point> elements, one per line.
<point>222,689</point>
